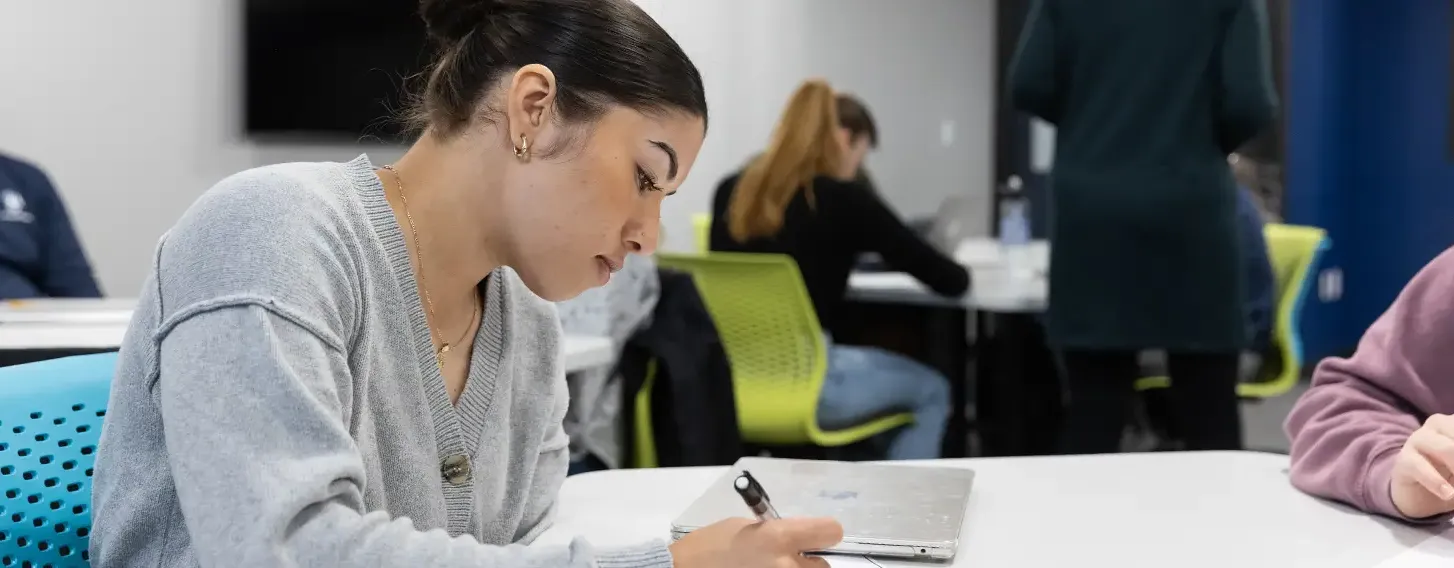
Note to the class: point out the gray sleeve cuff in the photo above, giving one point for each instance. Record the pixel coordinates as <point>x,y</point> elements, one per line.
<point>653,554</point>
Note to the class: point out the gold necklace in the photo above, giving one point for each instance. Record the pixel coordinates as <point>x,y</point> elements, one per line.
<point>444,347</point>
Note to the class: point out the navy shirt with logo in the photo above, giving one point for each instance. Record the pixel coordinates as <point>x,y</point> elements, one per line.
<point>39,253</point>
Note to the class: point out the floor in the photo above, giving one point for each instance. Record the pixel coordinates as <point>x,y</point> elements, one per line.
<point>1262,421</point>
<point>1261,426</point>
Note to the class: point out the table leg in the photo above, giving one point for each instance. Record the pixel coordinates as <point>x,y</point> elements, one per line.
<point>950,354</point>
<point>1018,395</point>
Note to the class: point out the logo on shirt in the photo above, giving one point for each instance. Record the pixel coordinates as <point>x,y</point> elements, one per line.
<point>12,207</point>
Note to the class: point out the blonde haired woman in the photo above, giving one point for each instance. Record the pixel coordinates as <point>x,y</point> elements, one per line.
<point>799,198</point>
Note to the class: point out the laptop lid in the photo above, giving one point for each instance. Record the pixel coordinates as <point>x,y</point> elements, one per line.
<point>951,224</point>
<point>905,505</point>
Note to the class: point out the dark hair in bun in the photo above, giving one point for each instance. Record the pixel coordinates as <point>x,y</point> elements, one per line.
<point>601,51</point>
<point>448,21</point>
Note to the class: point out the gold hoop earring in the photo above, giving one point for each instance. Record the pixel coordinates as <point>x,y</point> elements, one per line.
<point>522,152</point>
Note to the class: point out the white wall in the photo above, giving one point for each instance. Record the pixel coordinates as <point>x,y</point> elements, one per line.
<point>922,66</point>
<point>132,107</point>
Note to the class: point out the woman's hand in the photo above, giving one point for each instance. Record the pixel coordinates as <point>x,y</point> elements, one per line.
<point>1420,485</point>
<point>742,543</point>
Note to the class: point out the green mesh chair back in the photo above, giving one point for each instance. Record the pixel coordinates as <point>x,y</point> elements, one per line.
<point>774,344</point>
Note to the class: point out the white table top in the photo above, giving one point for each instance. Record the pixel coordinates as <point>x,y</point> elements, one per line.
<point>40,335</point>
<point>76,310</point>
<point>101,324</point>
<point>581,352</point>
<point>1154,510</point>
<point>979,252</point>
<point>992,289</point>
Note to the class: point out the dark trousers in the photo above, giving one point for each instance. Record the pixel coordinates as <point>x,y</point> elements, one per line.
<point>1202,397</point>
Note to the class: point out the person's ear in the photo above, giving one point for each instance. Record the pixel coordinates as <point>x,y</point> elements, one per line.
<point>845,139</point>
<point>863,145</point>
<point>528,103</point>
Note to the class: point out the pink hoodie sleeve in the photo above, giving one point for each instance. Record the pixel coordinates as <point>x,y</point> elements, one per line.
<point>1348,428</point>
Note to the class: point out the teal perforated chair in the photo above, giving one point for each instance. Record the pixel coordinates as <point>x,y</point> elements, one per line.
<point>50,423</point>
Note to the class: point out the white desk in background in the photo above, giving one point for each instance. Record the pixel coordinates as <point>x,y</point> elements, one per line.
<point>25,336</point>
<point>991,288</point>
<point>70,310</point>
<point>1012,387</point>
<point>1152,510</point>
<point>986,251</point>
<point>579,352</point>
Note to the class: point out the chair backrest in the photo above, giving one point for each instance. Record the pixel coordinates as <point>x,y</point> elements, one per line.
<point>1293,251</point>
<point>702,230</point>
<point>50,423</point>
<point>772,339</point>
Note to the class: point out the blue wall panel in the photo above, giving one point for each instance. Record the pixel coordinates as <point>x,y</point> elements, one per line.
<point>1368,153</point>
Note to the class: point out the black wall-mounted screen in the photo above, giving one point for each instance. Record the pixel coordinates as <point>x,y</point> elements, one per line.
<point>330,69</point>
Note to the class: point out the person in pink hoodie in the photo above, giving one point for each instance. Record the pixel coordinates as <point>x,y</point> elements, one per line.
<point>1374,430</point>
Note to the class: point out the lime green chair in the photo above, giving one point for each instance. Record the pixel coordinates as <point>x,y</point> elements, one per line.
<point>775,346</point>
<point>702,227</point>
<point>1294,251</point>
<point>644,443</point>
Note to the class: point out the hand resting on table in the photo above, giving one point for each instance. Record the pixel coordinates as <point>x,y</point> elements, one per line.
<point>1421,482</point>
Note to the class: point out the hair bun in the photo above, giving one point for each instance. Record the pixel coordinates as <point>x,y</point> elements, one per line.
<point>451,20</point>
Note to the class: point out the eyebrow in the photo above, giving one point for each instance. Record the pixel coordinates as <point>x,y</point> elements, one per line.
<point>671,155</point>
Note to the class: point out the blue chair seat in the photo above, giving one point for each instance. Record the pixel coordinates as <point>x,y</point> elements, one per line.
<point>50,423</point>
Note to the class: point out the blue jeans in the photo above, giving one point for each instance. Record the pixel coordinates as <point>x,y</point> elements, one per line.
<point>864,383</point>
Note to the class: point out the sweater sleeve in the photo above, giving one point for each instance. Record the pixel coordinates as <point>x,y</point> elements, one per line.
<point>1348,428</point>
<point>1247,100</point>
<point>877,228</point>
<point>265,469</point>
<point>1034,85</point>
<point>550,468</point>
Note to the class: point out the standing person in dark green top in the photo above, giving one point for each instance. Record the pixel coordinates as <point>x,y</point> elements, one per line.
<point>1148,98</point>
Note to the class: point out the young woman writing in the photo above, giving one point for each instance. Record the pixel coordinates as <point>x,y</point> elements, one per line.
<point>348,364</point>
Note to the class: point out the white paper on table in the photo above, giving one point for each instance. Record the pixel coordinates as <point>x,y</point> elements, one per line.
<point>976,253</point>
<point>850,561</point>
<point>892,281</point>
<point>1437,550</point>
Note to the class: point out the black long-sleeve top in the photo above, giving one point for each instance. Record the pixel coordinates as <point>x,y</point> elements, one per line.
<point>825,239</point>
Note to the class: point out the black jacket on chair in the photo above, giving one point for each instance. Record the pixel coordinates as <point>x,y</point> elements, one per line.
<point>694,413</point>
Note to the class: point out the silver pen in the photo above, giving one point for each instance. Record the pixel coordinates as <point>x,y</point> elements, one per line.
<point>754,496</point>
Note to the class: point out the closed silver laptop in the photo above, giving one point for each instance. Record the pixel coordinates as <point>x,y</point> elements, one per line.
<point>897,511</point>
<point>953,223</point>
